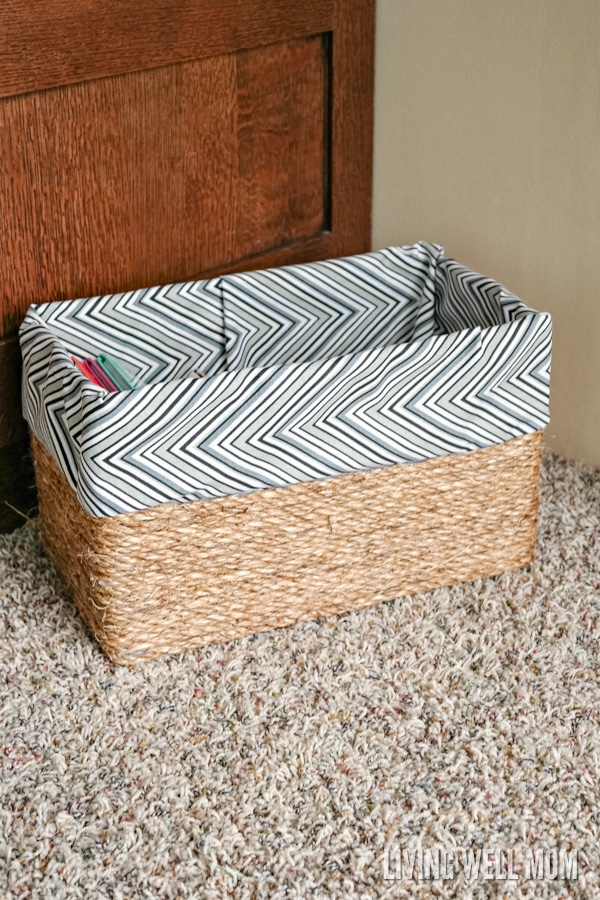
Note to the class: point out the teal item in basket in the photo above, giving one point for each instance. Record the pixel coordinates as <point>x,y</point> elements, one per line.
<point>115,372</point>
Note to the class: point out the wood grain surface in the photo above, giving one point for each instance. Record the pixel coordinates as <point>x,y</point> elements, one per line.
<point>144,143</point>
<point>157,176</point>
<point>49,43</point>
<point>353,67</point>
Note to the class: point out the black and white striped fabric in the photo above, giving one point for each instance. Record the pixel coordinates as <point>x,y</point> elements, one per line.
<point>270,378</point>
<point>333,308</point>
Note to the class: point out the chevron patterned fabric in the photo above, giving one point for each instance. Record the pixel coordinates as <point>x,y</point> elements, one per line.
<point>269,378</point>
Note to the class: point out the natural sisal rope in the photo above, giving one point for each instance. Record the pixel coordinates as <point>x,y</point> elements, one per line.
<point>180,575</point>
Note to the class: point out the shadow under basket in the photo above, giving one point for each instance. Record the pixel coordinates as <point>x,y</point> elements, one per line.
<point>177,576</point>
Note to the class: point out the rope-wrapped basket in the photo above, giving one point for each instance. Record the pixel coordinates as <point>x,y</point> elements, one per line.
<point>302,441</point>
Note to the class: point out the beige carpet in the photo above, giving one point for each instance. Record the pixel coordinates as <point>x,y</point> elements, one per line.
<point>283,765</point>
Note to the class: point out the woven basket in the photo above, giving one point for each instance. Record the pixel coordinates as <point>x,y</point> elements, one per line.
<point>181,575</point>
<point>300,442</point>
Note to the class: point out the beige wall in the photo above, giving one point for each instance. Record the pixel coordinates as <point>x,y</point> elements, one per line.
<point>487,140</point>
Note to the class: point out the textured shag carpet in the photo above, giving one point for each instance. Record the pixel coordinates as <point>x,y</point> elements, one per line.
<point>283,764</point>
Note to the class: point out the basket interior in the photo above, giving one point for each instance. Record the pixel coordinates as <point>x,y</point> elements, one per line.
<point>291,314</point>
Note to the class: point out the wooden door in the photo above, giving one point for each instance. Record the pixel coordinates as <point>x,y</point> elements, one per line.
<point>144,143</point>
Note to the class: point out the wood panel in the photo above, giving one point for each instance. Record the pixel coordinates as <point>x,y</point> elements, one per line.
<point>48,43</point>
<point>156,176</point>
<point>169,140</point>
<point>353,68</point>
<point>282,115</point>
